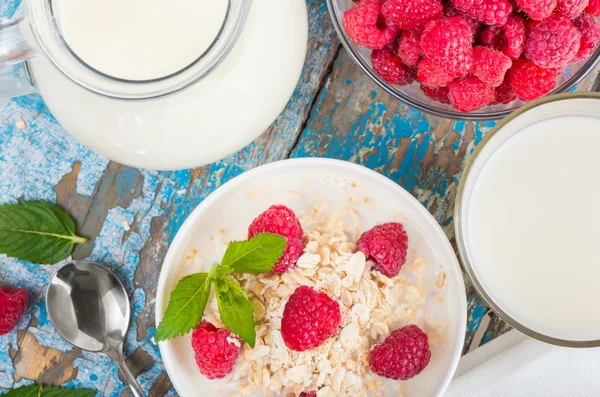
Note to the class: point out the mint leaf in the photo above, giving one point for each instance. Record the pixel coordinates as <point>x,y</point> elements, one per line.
<point>37,231</point>
<point>48,391</point>
<point>186,307</point>
<point>258,255</point>
<point>235,309</point>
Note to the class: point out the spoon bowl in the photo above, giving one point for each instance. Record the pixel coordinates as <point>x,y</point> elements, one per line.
<point>89,307</point>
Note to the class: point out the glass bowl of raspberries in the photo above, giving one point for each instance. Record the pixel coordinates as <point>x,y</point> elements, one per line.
<point>470,59</point>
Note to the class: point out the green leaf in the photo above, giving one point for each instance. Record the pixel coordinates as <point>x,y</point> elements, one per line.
<point>48,391</point>
<point>235,309</point>
<point>258,255</point>
<point>37,231</point>
<point>186,307</point>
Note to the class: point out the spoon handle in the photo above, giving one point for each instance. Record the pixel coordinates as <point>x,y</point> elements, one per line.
<point>128,377</point>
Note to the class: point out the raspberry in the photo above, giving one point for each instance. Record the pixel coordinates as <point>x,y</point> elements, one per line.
<point>447,42</point>
<point>388,65</point>
<point>514,36</point>
<point>409,48</point>
<point>279,219</point>
<point>309,319</point>
<point>530,81</point>
<point>432,75</point>
<point>13,303</point>
<point>504,92</point>
<point>309,394</point>
<point>571,8</point>
<point>590,35</point>
<point>593,8</point>
<point>537,9</point>
<point>451,11</point>
<point>439,94</point>
<point>402,355</point>
<point>489,65</point>
<point>386,245</point>
<point>216,350</point>
<point>470,94</point>
<point>490,12</point>
<point>553,42</point>
<point>366,26</point>
<point>491,36</point>
<point>411,14</point>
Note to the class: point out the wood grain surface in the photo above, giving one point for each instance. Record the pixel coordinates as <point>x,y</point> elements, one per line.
<point>132,215</point>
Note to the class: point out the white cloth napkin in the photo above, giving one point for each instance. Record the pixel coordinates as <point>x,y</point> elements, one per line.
<point>517,366</point>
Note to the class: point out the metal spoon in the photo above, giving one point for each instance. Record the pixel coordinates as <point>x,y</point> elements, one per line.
<point>88,306</point>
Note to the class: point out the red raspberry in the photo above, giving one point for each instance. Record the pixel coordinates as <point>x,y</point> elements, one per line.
<point>439,94</point>
<point>470,94</point>
<point>432,75</point>
<point>590,35</point>
<point>514,36</point>
<point>366,26</point>
<point>309,394</point>
<point>491,36</point>
<point>279,219</point>
<point>571,8</point>
<point>402,355</point>
<point>451,11</point>
<point>409,48</point>
<point>593,8</point>
<point>388,65</point>
<point>530,81</point>
<point>447,42</point>
<point>490,12</point>
<point>13,303</point>
<point>216,350</point>
<point>537,9</point>
<point>386,245</point>
<point>504,92</point>
<point>309,319</point>
<point>553,43</point>
<point>489,65</point>
<point>411,14</point>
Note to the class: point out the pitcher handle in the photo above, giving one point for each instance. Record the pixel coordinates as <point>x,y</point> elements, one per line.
<point>15,79</point>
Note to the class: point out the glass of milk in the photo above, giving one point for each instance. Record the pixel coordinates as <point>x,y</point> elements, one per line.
<point>153,83</point>
<point>528,219</point>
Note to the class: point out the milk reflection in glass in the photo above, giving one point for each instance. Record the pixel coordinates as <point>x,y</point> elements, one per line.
<point>533,227</point>
<point>139,39</point>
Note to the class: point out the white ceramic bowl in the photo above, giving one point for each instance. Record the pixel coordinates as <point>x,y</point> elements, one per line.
<point>299,183</point>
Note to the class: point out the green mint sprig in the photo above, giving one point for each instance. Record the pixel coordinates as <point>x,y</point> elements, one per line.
<point>188,299</point>
<point>48,391</point>
<point>37,231</point>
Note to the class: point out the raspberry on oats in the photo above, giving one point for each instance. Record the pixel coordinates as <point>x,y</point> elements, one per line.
<point>308,394</point>
<point>537,9</point>
<point>530,81</point>
<point>411,14</point>
<point>514,36</point>
<point>593,8</point>
<point>553,43</point>
<point>469,94</point>
<point>279,219</point>
<point>432,75</point>
<point>571,8</point>
<point>504,92</point>
<point>365,25</point>
<point>409,48</point>
<point>13,303</point>
<point>447,42</point>
<point>402,355</point>
<point>489,65</point>
<point>309,319</point>
<point>590,36</point>
<point>216,350</point>
<point>439,94</point>
<point>490,12</point>
<point>388,65</point>
<point>386,245</point>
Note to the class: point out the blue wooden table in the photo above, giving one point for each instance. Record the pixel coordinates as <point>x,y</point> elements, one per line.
<point>132,215</point>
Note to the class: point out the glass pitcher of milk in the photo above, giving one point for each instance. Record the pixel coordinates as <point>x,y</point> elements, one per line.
<point>154,84</point>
